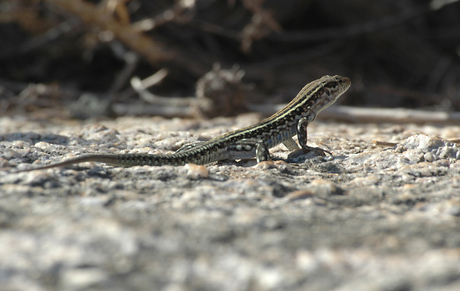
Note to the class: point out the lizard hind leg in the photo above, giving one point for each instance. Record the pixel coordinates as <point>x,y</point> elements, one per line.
<point>247,149</point>
<point>262,153</point>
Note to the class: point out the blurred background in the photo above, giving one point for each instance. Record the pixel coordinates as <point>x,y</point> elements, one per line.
<point>84,59</point>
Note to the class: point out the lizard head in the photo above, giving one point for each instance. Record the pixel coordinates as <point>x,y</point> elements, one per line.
<point>329,89</point>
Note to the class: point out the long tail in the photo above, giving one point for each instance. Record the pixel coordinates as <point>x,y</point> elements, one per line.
<point>129,160</point>
<point>108,159</point>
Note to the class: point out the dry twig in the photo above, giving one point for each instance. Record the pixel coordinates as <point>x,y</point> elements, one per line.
<point>89,13</point>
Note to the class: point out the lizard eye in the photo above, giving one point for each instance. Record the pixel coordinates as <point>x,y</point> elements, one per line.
<point>332,87</point>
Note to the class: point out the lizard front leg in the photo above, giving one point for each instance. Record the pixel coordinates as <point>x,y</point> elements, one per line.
<point>302,137</point>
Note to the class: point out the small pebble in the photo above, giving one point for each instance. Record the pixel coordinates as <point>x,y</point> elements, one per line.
<point>196,171</point>
<point>428,157</point>
<point>265,165</point>
<point>10,154</point>
<point>453,208</point>
<point>407,178</point>
<point>324,187</point>
<point>299,195</point>
<point>443,163</point>
<point>366,181</point>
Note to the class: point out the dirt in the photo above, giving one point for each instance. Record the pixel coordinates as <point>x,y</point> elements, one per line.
<point>366,218</point>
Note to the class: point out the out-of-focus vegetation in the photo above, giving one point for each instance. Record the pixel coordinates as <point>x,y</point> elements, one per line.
<point>398,53</point>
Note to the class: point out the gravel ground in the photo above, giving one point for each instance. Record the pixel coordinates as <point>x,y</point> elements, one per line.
<point>368,218</point>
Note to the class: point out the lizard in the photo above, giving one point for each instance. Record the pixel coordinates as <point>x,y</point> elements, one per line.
<point>246,143</point>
